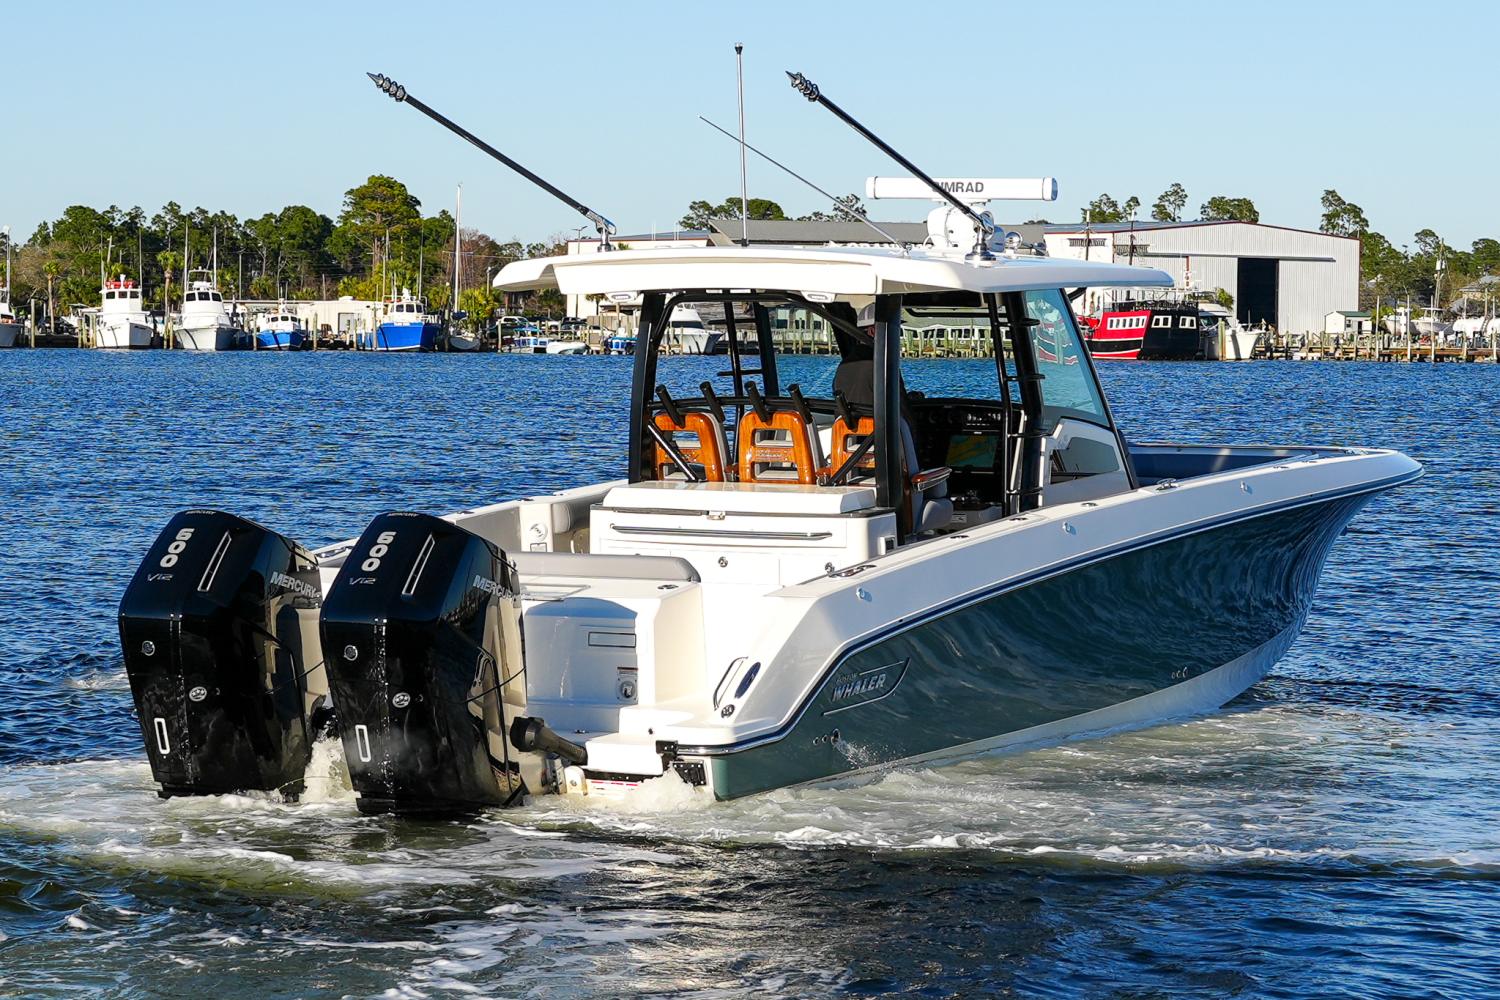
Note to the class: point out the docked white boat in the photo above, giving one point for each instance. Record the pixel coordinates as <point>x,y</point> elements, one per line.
<point>686,333</point>
<point>567,345</point>
<point>122,322</point>
<point>789,583</point>
<point>10,328</point>
<point>1224,337</point>
<point>204,323</point>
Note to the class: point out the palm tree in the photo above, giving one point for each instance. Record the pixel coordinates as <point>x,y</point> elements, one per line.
<point>52,269</point>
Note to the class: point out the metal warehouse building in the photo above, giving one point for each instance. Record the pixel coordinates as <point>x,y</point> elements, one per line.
<point>1289,278</point>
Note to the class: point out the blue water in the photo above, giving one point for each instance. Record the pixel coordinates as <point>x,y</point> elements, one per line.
<point>1333,833</point>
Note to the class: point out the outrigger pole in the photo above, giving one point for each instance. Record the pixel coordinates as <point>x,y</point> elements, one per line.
<point>986,225</point>
<point>398,93</point>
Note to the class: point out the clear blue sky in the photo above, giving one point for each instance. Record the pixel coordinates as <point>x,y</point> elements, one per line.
<point>253,106</point>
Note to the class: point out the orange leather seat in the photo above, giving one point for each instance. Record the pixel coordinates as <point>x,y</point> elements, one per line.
<point>846,442</point>
<point>697,436</point>
<point>778,446</point>
<point>700,439</point>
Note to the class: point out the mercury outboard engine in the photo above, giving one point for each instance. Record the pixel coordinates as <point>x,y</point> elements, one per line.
<point>423,628</point>
<point>220,634</point>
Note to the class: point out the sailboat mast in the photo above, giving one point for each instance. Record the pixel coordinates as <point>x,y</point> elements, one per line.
<point>458,235</point>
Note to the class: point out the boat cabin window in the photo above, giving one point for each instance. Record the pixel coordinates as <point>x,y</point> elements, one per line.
<point>109,295</point>
<point>1069,388</point>
<point>191,297</point>
<point>216,296</point>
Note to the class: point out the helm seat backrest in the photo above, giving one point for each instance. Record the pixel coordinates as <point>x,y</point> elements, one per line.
<point>778,441</point>
<point>701,440</point>
<point>781,449</point>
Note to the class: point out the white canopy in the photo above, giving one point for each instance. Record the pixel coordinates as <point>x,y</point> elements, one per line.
<point>838,271</point>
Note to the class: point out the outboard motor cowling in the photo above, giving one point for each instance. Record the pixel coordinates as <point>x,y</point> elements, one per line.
<point>220,633</point>
<point>423,630</point>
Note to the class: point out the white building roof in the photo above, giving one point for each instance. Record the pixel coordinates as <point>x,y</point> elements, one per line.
<point>841,271</point>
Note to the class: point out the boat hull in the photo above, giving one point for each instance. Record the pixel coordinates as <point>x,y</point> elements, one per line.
<point>206,338</point>
<point>1165,630</point>
<point>394,337</point>
<point>279,340</point>
<point>10,334</point>
<point>123,336</point>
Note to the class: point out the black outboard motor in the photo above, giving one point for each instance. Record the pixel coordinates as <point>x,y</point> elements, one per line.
<point>220,633</point>
<point>423,630</point>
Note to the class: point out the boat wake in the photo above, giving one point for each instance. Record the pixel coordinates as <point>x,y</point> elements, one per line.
<point>1291,785</point>
<point>1261,785</point>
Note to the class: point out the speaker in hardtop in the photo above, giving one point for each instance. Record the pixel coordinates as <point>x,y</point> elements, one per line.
<point>422,626</point>
<point>219,628</point>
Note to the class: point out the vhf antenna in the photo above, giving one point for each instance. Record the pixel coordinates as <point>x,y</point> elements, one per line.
<point>399,94</point>
<point>986,225</point>
<point>903,247</point>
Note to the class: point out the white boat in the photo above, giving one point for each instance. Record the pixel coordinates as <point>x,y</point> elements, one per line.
<point>567,345</point>
<point>527,340</point>
<point>10,328</point>
<point>122,322</point>
<point>1431,325</point>
<point>204,324</point>
<point>1225,338</point>
<point>686,333</point>
<point>788,584</point>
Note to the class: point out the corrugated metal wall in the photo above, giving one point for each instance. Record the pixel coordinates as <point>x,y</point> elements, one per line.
<point>1318,273</point>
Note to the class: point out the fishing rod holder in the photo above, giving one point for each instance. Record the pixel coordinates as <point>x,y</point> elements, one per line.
<point>391,87</point>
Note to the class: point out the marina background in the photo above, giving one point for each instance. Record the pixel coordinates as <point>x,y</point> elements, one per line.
<point>1331,834</point>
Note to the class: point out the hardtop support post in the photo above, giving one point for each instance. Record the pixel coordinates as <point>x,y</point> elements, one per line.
<point>772,385</point>
<point>1007,428</point>
<point>888,447</point>
<point>643,387</point>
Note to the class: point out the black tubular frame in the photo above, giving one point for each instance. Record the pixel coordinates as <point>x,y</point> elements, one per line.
<point>648,334</point>
<point>1008,493</point>
<point>888,445</point>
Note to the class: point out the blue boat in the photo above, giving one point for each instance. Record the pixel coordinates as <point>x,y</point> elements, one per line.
<point>280,330</point>
<point>407,326</point>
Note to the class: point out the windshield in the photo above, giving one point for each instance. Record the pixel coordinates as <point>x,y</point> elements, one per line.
<point>1068,385</point>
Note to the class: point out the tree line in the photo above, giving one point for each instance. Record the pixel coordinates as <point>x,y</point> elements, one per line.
<point>380,243</point>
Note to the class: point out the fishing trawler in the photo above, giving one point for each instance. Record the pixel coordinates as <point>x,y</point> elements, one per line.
<point>407,326</point>
<point>279,330</point>
<point>787,583</point>
<point>204,324</point>
<point>122,322</point>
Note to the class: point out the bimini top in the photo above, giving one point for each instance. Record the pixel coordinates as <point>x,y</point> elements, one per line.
<point>834,271</point>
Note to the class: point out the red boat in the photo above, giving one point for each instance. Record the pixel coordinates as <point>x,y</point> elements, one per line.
<point>1147,331</point>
